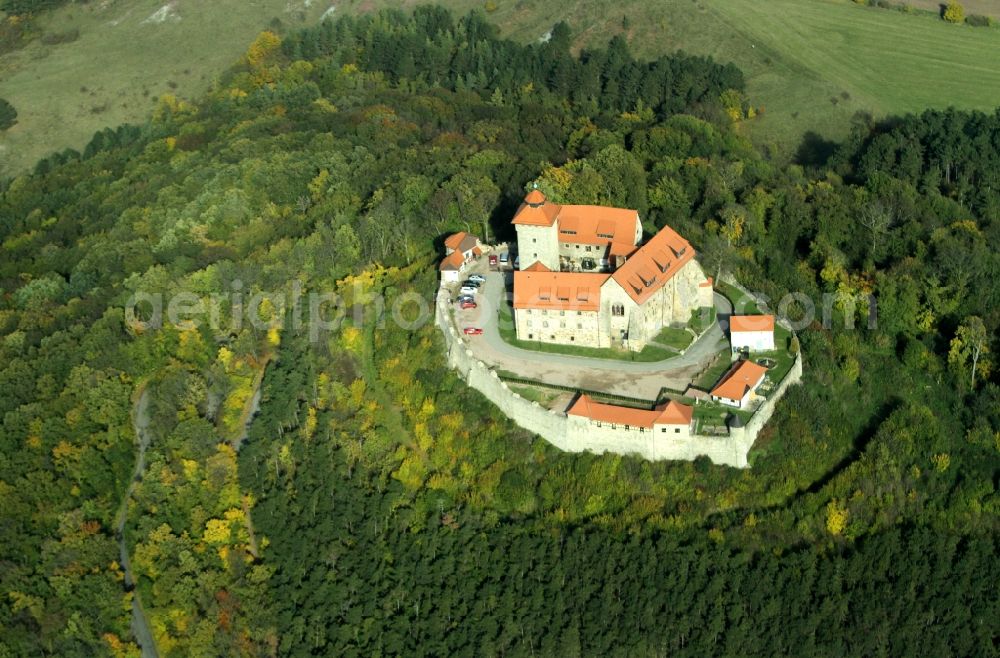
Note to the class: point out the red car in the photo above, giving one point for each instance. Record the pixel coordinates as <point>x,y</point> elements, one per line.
<point>473,331</point>
<point>493,261</point>
<point>468,304</point>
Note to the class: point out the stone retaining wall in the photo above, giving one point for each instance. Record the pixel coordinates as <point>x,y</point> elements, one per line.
<point>573,434</point>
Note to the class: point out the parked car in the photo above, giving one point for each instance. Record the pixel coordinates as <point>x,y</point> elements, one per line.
<point>465,298</point>
<point>468,290</point>
<point>493,260</point>
<point>471,282</point>
<point>517,262</point>
<point>478,278</point>
<point>468,305</point>
<point>472,331</point>
<point>504,258</point>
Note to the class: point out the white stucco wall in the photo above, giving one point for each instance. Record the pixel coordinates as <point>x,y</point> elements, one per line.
<point>577,252</point>
<point>755,340</point>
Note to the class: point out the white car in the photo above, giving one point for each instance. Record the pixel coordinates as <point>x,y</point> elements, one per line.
<point>468,290</point>
<point>478,277</point>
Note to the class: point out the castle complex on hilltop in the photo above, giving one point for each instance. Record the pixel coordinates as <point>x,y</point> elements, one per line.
<point>586,280</point>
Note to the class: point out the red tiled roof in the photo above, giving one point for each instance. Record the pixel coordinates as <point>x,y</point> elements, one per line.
<point>598,225</point>
<point>622,249</point>
<point>537,267</point>
<point>453,261</point>
<point>563,291</point>
<point>655,263</point>
<point>738,323</point>
<point>461,241</point>
<point>541,215</point>
<point>742,377</point>
<point>675,413</point>
<point>579,224</point>
<point>672,413</point>
<point>535,197</point>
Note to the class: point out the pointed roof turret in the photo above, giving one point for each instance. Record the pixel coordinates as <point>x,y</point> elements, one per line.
<point>535,198</point>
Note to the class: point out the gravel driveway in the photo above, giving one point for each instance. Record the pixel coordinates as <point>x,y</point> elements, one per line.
<point>636,379</point>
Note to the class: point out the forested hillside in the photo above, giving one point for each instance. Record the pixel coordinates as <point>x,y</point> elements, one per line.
<point>376,506</point>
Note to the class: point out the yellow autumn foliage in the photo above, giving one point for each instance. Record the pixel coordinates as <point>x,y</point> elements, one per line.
<point>836,518</point>
<point>266,44</point>
<point>309,428</point>
<point>217,531</point>
<point>351,339</point>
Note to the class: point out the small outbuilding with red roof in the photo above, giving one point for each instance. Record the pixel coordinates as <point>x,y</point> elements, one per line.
<point>460,249</point>
<point>751,333</point>
<point>738,386</point>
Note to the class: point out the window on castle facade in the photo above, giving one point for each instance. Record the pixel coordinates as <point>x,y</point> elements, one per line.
<point>618,310</point>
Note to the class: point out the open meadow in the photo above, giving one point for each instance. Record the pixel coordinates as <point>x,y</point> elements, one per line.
<point>125,55</point>
<point>810,64</point>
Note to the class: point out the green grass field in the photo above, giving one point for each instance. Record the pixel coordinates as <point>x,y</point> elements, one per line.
<point>811,64</point>
<point>832,58</point>
<point>126,56</point>
<point>674,337</point>
<point>714,372</point>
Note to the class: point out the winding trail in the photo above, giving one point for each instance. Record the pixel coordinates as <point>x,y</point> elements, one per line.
<point>140,624</point>
<point>251,407</point>
<point>140,424</point>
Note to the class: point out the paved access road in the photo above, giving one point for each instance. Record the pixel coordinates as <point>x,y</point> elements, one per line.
<point>632,378</point>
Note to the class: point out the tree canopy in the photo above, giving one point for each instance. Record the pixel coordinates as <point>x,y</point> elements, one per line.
<point>342,492</point>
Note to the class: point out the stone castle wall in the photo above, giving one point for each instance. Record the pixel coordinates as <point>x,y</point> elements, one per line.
<point>749,432</point>
<point>574,434</point>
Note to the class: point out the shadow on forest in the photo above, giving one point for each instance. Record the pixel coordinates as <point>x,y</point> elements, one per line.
<point>814,151</point>
<point>860,444</point>
<point>500,219</point>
